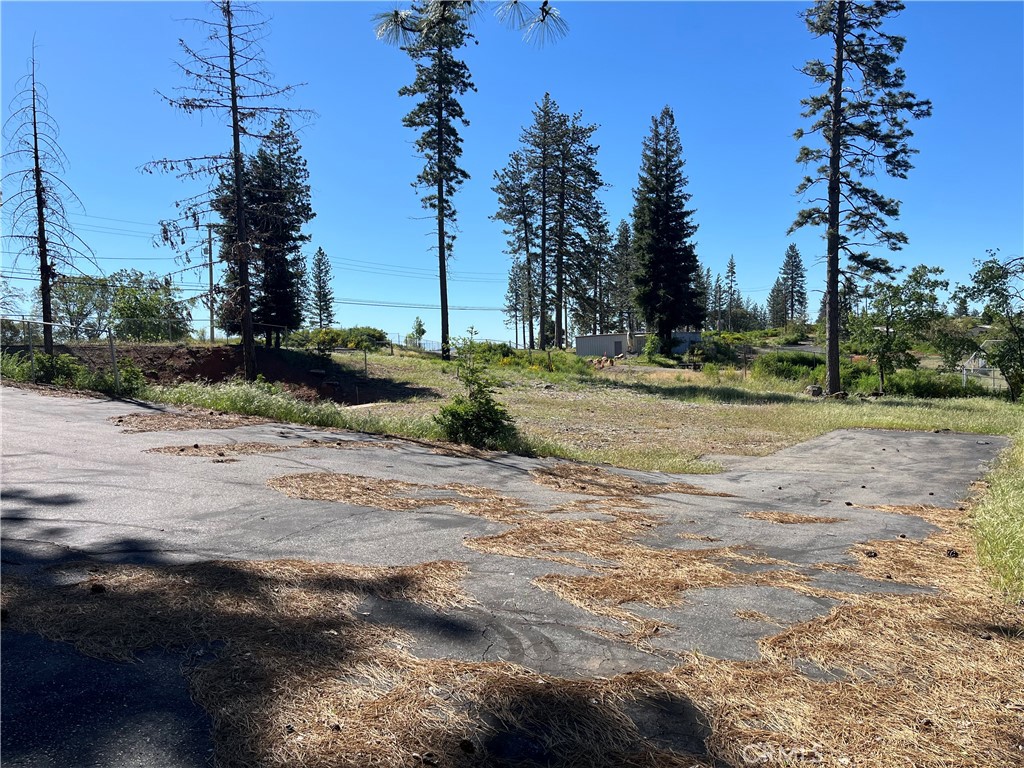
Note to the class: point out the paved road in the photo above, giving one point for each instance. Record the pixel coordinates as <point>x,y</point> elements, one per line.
<point>74,484</point>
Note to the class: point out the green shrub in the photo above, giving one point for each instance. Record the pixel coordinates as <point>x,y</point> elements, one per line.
<point>66,371</point>
<point>323,340</point>
<point>15,366</point>
<point>925,383</point>
<point>652,347</point>
<point>794,366</point>
<point>476,418</point>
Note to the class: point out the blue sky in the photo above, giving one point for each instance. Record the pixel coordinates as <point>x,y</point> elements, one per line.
<point>728,70</point>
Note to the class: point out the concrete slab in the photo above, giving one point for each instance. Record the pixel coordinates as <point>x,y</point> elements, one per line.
<point>75,486</point>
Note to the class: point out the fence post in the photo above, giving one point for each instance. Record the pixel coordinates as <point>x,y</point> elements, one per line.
<point>366,363</point>
<point>31,350</point>
<point>113,362</point>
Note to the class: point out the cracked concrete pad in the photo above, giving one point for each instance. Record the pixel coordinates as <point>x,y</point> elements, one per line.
<point>74,486</point>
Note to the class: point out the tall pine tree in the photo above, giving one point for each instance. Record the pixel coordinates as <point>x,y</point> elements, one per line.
<point>778,309</point>
<point>516,209</point>
<point>276,198</point>
<point>861,117</point>
<point>436,31</point>
<point>663,231</point>
<point>794,283</point>
<point>320,295</point>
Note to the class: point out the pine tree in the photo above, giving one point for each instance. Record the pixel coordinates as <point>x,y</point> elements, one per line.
<point>718,301</point>
<point>516,209</point>
<point>732,294</point>
<point>541,147</point>
<point>778,309</point>
<point>663,235</point>
<point>578,213</point>
<point>436,30</point>
<point>228,78</point>
<point>281,206</point>
<point>794,281</point>
<point>276,197</point>
<point>622,289</point>
<point>320,303</point>
<point>861,117</point>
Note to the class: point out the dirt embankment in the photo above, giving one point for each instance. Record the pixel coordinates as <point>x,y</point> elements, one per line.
<point>304,374</point>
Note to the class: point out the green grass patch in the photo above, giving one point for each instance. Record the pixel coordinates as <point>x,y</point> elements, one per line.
<point>67,371</point>
<point>272,402</point>
<point>999,521</point>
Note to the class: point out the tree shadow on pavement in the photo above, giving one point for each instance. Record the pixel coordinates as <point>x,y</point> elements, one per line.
<point>290,671</point>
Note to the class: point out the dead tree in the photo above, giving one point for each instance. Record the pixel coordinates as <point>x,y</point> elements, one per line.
<point>35,219</point>
<point>228,79</point>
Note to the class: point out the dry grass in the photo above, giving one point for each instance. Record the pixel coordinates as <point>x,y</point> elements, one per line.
<point>397,496</point>
<point>196,449</point>
<point>298,679</point>
<point>625,571</point>
<point>595,481</point>
<point>934,681</point>
<point>347,445</point>
<point>179,422</point>
<point>791,518</point>
<point>930,680</point>
<point>756,616</point>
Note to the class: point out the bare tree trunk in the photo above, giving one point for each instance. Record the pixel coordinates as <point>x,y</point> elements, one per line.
<point>832,383</point>
<point>45,271</point>
<point>242,250</point>
<point>529,278</point>
<point>560,264</point>
<point>543,252</point>
<point>442,261</point>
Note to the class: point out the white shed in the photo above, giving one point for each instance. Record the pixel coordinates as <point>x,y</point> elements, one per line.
<point>612,344</point>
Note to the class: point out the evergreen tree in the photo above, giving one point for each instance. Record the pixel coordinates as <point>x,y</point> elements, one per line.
<point>516,209</point>
<point>276,197</point>
<point>663,235</point>
<point>718,301</point>
<point>281,206</point>
<point>438,30</point>
<point>320,303</point>
<point>709,294</point>
<point>703,285</point>
<point>621,288</point>
<point>541,146</point>
<point>778,304</point>
<point>861,117</point>
<point>732,294</point>
<point>794,282</point>
<point>578,214</point>
<point>228,78</point>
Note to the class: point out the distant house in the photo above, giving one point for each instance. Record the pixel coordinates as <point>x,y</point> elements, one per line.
<point>612,344</point>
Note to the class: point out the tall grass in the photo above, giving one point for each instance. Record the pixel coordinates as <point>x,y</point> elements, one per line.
<point>271,402</point>
<point>267,400</point>
<point>999,521</point>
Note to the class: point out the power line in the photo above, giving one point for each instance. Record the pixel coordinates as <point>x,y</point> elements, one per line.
<point>406,305</point>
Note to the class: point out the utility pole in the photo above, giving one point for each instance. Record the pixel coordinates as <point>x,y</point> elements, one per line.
<point>209,248</point>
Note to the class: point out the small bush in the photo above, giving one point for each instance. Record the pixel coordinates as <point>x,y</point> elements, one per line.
<point>323,340</point>
<point>793,366</point>
<point>476,418</point>
<point>925,383</point>
<point>15,366</point>
<point>66,371</point>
